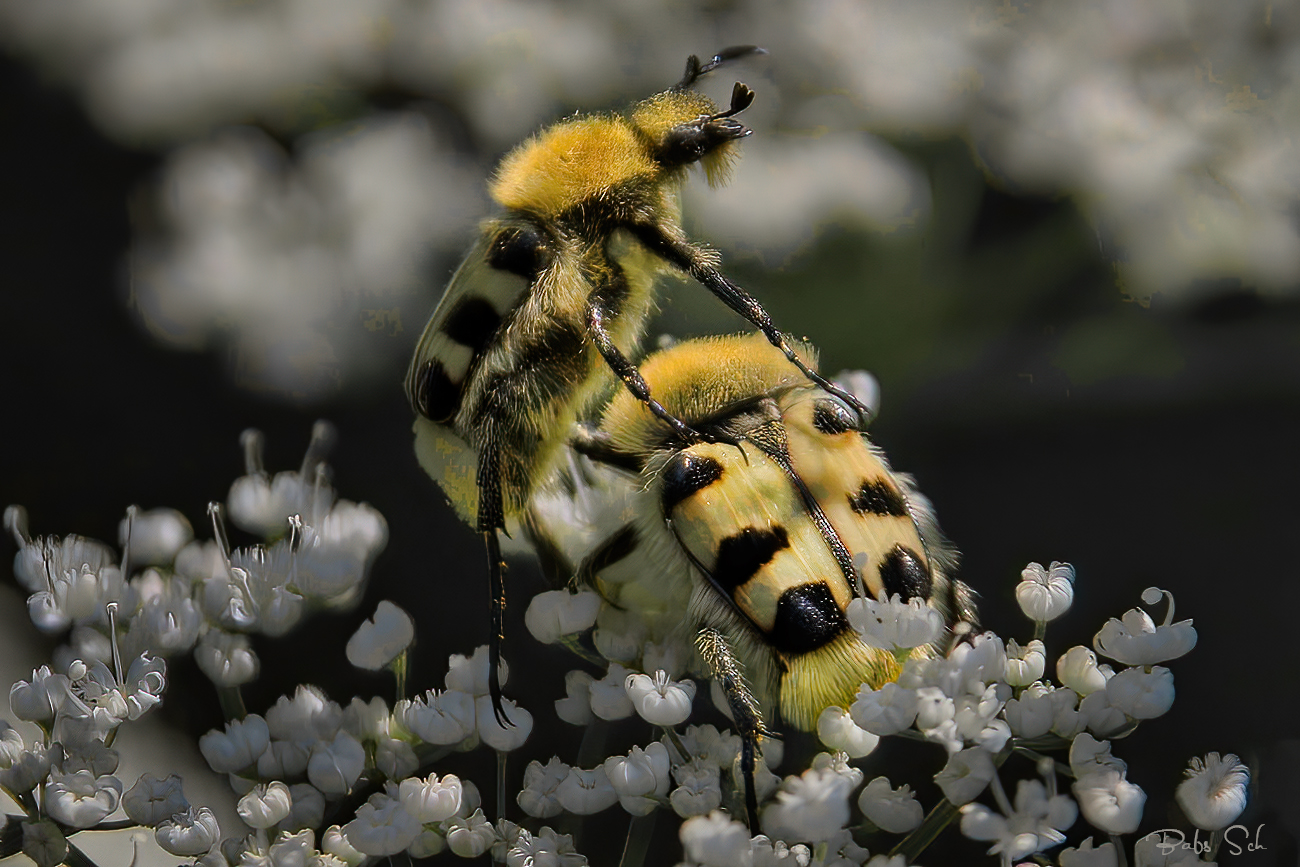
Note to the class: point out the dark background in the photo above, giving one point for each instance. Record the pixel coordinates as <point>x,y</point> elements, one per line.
<point>1171,462</point>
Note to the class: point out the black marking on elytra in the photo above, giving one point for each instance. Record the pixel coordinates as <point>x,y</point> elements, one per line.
<point>878,497</point>
<point>554,364</point>
<point>832,418</point>
<point>806,619</point>
<point>437,397</point>
<point>472,323</point>
<point>905,573</point>
<point>520,249</point>
<point>686,474</point>
<point>742,555</point>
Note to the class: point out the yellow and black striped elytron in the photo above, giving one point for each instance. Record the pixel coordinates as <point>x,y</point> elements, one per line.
<point>556,293</point>
<point>776,535</point>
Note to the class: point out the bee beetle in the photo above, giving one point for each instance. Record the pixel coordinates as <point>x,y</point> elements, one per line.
<point>769,541</point>
<point>556,293</point>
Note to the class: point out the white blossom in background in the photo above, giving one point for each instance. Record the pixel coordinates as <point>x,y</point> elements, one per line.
<point>894,810</point>
<point>538,796</point>
<point>1078,669</point>
<point>265,805</point>
<point>810,808</point>
<point>894,624</point>
<point>151,800</point>
<point>575,707</point>
<point>1214,793</point>
<point>471,836</point>
<point>553,614</point>
<point>609,699</point>
<point>502,738</point>
<point>837,730</point>
<point>189,833</point>
<point>715,840</point>
<point>1045,594</point>
<point>658,700</point>
<point>641,778</point>
<point>586,791</point>
<point>382,638</point>
<point>1135,639</point>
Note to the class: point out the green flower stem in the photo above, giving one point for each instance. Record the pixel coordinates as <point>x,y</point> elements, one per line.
<point>232,702</point>
<point>640,831</point>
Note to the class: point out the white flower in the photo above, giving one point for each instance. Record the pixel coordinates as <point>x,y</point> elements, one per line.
<point>1035,823</point>
<point>80,799</point>
<point>292,848</point>
<point>471,836</point>
<point>40,557</point>
<point>966,774</point>
<point>886,711</point>
<point>640,778</point>
<point>1109,802</point>
<point>1086,856</point>
<point>335,842</point>
<point>38,699</point>
<point>380,640</point>
<point>1087,755</point>
<point>306,718</point>
<point>284,759</point>
<point>157,535</point>
<point>1045,594</point>
<point>266,805</point>
<point>44,843</point>
<point>188,833</point>
<point>585,792</point>
<point>395,758</point>
<point>538,796</point>
<point>335,765</point>
<point>1214,793</point>
<point>894,624</point>
<point>438,717</point>
<point>261,504</point>
<point>238,746</point>
<point>658,700</point>
<point>894,810</point>
<point>307,810</point>
<point>554,614</point>
<point>715,840</point>
<point>11,745</point>
<point>29,769</point>
<point>151,800</point>
<point>336,551</point>
<point>1136,640</point>
<point>1025,664</point>
<point>1100,716</point>
<point>811,807</point>
<point>709,746</point>
<point>382,827</point>
<point>1078,669</point>
<point>1142,694</point>
<point>470,673</point>
<point>837,730</point>
<point>620,634</point>
<point>609,699</point>
<point>494,734</point>
<point>431,799</point>
<point>429,843</point>
<point>575,707</point>
<point>227,658</point>
<point>699,788</point>
<point>1031,715</point>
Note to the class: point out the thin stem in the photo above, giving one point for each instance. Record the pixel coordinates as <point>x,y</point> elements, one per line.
<point>1122,858</point>
<point>639,833</point>
<point>399,667</point>
<point>501,785</point>
<point>232,702</point>
<point>77,858</point>
<point>916,842</point>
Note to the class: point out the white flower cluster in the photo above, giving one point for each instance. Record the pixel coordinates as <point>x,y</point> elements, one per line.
<point>986,701</point>
<point>308,757</point>
<point>172,594</point>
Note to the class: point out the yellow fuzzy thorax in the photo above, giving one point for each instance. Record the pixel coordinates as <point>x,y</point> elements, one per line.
<point>831,676</point>
<point>570,163</point>
<point>720,371</point>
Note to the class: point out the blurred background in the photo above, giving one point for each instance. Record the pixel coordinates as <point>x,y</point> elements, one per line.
<point>1064,236</point>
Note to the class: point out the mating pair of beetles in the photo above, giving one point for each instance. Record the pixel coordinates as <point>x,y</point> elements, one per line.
<point>752,475</point>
